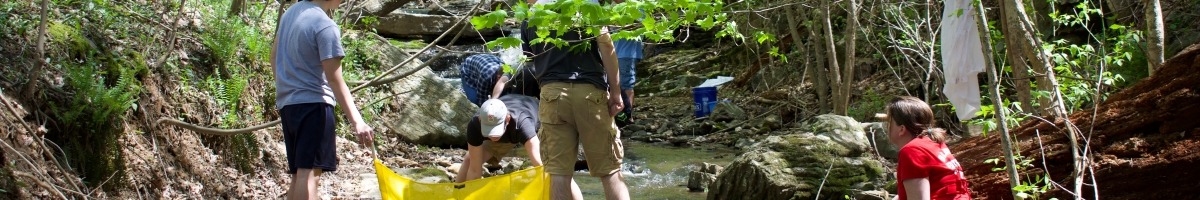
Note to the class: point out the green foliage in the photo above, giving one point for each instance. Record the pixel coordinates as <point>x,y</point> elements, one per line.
<point>987,113</point>
<point>412,44</point>
<point>865,108</point>
<point>245,151</point>
<point>650,20</point>
<point>359,54</point>
<point>1077,65</point>
<point>1031,187</point>
<point>224,40</point>
<point>15,22</point>
<point>91,118</point>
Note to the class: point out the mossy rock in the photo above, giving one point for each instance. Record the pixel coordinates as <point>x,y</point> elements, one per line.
<point>794,166</point>
<point>71,37</point>
<point>840,129</point>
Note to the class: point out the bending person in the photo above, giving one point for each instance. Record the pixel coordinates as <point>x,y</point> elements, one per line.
<point>483,77</point>
<point>926,168</point>
<point>497,128</point>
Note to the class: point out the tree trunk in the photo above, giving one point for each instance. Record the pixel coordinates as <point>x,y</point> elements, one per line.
<point>993,73</point>
<point>1020,70</point>
<point>848,70</point>
<point>797,44</point>
<point>1154,35</point>
<point>817,69</point>
<point>36,73</point>
<point>236,7</point>
<point>1014,12</point>
<point>835,75</point>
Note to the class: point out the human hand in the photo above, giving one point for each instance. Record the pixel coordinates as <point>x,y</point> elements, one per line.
<point>364,133</point>
<point>615,105</point>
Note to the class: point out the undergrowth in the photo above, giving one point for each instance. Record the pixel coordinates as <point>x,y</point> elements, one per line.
<point>239,51</point>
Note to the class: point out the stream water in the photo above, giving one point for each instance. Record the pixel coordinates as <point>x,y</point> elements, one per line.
<point>656,171</point>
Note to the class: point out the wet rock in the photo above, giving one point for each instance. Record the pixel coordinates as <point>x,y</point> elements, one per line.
<point>699,181</point>
<point>682,140</point>
<point>703,176</point>
<point>727,111</point>
<point>794,165</point>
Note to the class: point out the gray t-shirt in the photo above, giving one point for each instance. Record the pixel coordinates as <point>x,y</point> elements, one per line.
<point>306,37</point>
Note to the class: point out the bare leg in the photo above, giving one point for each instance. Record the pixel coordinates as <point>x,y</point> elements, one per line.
<point>560,185</point>
<point>304,184</point>
<point>629,96</point>
<point>614,187</point>
<point>575,191</point>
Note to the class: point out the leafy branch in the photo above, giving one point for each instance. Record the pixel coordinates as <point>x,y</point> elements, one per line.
<point>655,21</point>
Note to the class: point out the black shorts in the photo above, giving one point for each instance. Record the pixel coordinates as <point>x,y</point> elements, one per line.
<point>308,136</point>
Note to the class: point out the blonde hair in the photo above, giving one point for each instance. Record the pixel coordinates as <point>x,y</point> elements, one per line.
<point>915,116</point>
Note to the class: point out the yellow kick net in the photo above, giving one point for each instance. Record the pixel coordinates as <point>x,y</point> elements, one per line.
<point>524,184</point>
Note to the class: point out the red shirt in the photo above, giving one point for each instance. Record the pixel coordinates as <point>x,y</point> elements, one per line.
<point>924,158</point>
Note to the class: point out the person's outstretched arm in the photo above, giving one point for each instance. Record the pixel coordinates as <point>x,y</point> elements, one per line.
<point>533,147</point>
<point>333,74</point>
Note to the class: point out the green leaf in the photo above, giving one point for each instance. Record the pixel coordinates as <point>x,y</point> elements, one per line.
<point>763,37</point>
<point>504,42</point>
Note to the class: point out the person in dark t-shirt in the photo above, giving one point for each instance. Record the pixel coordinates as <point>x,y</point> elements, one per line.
<point>579,96</point>
<point>500,124</point>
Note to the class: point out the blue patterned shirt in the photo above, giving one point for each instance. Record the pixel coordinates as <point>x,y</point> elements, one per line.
<point>479,71</point>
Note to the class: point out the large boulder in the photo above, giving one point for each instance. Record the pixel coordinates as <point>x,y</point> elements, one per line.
<point>842,129</point>
<point>423,108</point>
<point>877,132</point>
<point>404,24</point>
<point>378,7</point>
<point>797,165</point>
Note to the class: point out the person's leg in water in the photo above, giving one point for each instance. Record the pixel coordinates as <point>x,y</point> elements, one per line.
<point>627,78</point>
<point>304,184</point>
<point>564,181</point>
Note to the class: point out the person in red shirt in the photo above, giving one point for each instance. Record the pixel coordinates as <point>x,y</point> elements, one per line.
<point>926,168</point>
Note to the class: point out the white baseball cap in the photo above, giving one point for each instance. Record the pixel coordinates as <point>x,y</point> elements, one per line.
<point>492,118</point>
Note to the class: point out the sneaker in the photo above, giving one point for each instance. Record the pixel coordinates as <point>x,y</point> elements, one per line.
<point>622,119</point>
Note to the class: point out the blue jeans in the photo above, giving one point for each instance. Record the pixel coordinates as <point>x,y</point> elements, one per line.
<point>472,93</point>
<point>628,72</point>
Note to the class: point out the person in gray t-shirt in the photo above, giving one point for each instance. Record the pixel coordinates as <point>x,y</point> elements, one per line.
<point>306,61</point>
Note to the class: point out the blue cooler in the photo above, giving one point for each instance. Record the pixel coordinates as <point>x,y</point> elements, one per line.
<point>705,99</point>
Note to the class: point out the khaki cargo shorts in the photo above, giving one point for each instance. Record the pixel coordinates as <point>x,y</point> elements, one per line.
<point>574,114</point>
